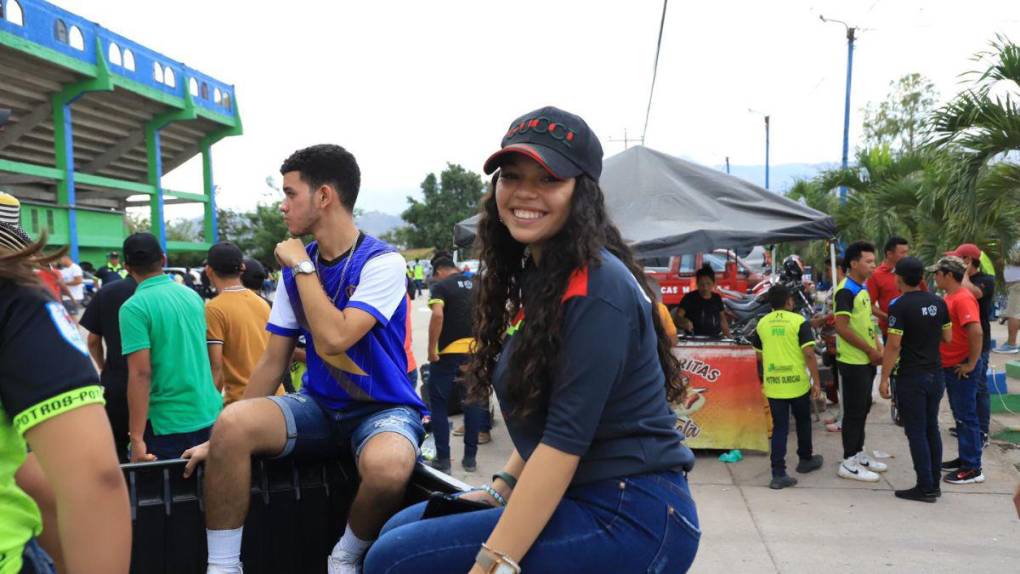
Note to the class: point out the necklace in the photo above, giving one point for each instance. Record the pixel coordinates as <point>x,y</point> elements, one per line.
<point>343,272</point>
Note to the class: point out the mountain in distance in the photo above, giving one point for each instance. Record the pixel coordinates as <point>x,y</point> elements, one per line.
<point>375,223</point>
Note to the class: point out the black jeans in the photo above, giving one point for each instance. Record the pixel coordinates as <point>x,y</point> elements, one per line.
<point>801,407</point>
<point>918,396</point>
<point>857,381</point>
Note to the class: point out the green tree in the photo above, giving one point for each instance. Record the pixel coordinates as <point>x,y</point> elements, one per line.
<point>901,121</point>
<point>450,198</point>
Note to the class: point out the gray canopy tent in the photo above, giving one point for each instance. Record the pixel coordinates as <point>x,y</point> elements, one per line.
<point>664,205</point>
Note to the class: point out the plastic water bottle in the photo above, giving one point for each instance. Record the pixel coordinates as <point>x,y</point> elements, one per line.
<point>428,448</point>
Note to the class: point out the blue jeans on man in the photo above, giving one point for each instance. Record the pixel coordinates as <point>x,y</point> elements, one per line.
<point>984,400</point>
<point>443,375</point>
<point>917,397</point>
<point>963,400</point>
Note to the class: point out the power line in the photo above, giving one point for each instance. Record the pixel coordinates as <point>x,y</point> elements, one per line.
<point>655,70</point>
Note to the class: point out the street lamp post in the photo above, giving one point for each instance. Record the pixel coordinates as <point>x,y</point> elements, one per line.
<point>753,111</point>
<point>850,37</point>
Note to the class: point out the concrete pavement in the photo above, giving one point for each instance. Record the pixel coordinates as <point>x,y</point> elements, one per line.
<point>826,523</point>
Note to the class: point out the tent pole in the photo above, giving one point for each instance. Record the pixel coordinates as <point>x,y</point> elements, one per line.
<point>774,265</point>
<point>832,262</point>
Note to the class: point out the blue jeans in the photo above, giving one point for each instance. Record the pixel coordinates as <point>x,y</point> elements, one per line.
<point>963,402</point>
<point>984,400</point>
<point>171,446</point>
<point>34,560</point>
<point>443,375</point>
<point>918,396</point>
<point>316,431</point>
<point>780,409</point>
<point>644,523</point>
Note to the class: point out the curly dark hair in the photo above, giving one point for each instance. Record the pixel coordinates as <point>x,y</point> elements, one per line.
<point>327,164</point>
<point>586,231</point>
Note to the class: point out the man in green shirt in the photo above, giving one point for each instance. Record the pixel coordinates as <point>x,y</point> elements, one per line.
<point>786,345</point>
<point>858,351</point>
<point>172,401</point>
<point>419,277</point>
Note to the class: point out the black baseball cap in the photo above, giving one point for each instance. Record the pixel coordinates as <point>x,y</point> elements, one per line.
<point>113,254</point>
<point>141,249</point>
<point>911,270</point>
<point>254,274</point>
<point>225,258</point>
<point>559,141</point>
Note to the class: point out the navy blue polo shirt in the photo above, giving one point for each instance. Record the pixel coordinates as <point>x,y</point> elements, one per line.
<point>607,401</point>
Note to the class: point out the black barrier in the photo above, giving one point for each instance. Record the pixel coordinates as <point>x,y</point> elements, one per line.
<point>297,513</point>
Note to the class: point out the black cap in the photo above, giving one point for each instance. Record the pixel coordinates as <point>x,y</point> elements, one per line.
<point>911,270</point>
<point>225,258</point>
<point>141,249</point>
<point>254,274</point>
<point>560,141</point>
<point>113,254</point>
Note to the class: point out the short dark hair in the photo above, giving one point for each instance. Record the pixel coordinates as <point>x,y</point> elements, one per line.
<point>705,271</point>
<point>955,274</point>
<point>441,263</point>
<point>327,164</point>
<point>779,294</point>
<point>894,242</point>
<point>853,252</point>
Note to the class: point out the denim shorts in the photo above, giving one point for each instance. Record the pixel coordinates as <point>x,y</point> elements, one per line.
<point>34,560</point>
<point>316,431</point>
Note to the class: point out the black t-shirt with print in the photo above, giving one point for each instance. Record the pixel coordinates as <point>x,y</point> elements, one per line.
<point>455,293</point>
<point>986,305</point>
<point>102,318</point>
<point>919,318</point>
<point>42,357</point>
<point>705,314</point>
<point>607,401</point>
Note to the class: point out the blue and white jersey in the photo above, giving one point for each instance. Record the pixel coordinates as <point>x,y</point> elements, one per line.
<point>375,368</point>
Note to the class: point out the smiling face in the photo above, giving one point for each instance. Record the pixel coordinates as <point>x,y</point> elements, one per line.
<point>533,204</point>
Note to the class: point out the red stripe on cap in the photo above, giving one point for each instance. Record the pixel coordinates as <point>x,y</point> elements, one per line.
<point>525,150</point>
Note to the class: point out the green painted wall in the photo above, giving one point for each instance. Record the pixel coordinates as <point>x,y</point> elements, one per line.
<point>99,232</point>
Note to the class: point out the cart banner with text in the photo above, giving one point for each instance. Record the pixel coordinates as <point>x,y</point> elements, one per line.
<point>724,407</point>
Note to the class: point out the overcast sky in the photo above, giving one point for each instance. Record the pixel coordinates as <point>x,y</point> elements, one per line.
<point>409,86</point>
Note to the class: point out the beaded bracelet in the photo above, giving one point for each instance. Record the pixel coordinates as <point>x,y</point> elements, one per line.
<point>492,492</point>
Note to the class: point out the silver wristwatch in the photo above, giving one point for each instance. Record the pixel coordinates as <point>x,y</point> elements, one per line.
<point>305,266</point>
<point>493,562</point>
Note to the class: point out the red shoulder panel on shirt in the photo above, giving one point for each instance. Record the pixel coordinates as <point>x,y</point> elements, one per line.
<point>577,285</point>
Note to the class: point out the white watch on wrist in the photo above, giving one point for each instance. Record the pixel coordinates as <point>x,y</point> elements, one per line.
<point>306,267</point>
<point>493,562</point>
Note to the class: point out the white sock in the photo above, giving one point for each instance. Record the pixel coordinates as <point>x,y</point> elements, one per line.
<point>225,547</point>
<point>350,547</point>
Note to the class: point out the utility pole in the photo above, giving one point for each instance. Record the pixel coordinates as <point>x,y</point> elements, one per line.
<point>727,165</point>
<point>754,111</point>
<point>851,35</point>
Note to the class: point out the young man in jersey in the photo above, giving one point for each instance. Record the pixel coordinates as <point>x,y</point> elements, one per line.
<point>344,292</point>
<point>982,286</point>
<point>858,351</point>
<point>961,358</point>
<point>918,323</point>
<point>449,347</point>
<point>787,348</point>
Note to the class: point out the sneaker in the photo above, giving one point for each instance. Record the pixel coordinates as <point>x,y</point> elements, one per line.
<point>469,464</point>
<point>954,464</point>
<point>440,464</point>
<point>335,565</point>
<point>1007,349</point>
<point>915,494</point>
<point>965,476</point>
<point>459,431</point>
<point>810,464</point>
<point>215,569</point>
<point>937,492</point>
<point>484,438</point>
<point>849,468</point>
<point>834,427</point>
<point>830,420</point>
<point>781,482</point>
<point>871,464</point>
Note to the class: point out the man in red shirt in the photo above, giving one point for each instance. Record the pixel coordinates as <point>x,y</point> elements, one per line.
<point>960,359</point>
<point>882,283</point>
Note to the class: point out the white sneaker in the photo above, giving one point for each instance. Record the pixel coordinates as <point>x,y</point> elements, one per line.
<point>871,464</point>
<point>213,569</point>
<point>849,468</point>
<point>337,566</point>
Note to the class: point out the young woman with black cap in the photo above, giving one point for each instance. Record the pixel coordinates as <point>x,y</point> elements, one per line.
<point>50,397</point>
<point>568,337</point>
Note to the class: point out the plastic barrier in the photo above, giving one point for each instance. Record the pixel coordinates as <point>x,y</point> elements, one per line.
<point>297,513</point>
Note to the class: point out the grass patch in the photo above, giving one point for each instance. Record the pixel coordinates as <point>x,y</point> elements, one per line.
<point>1011,436</point>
